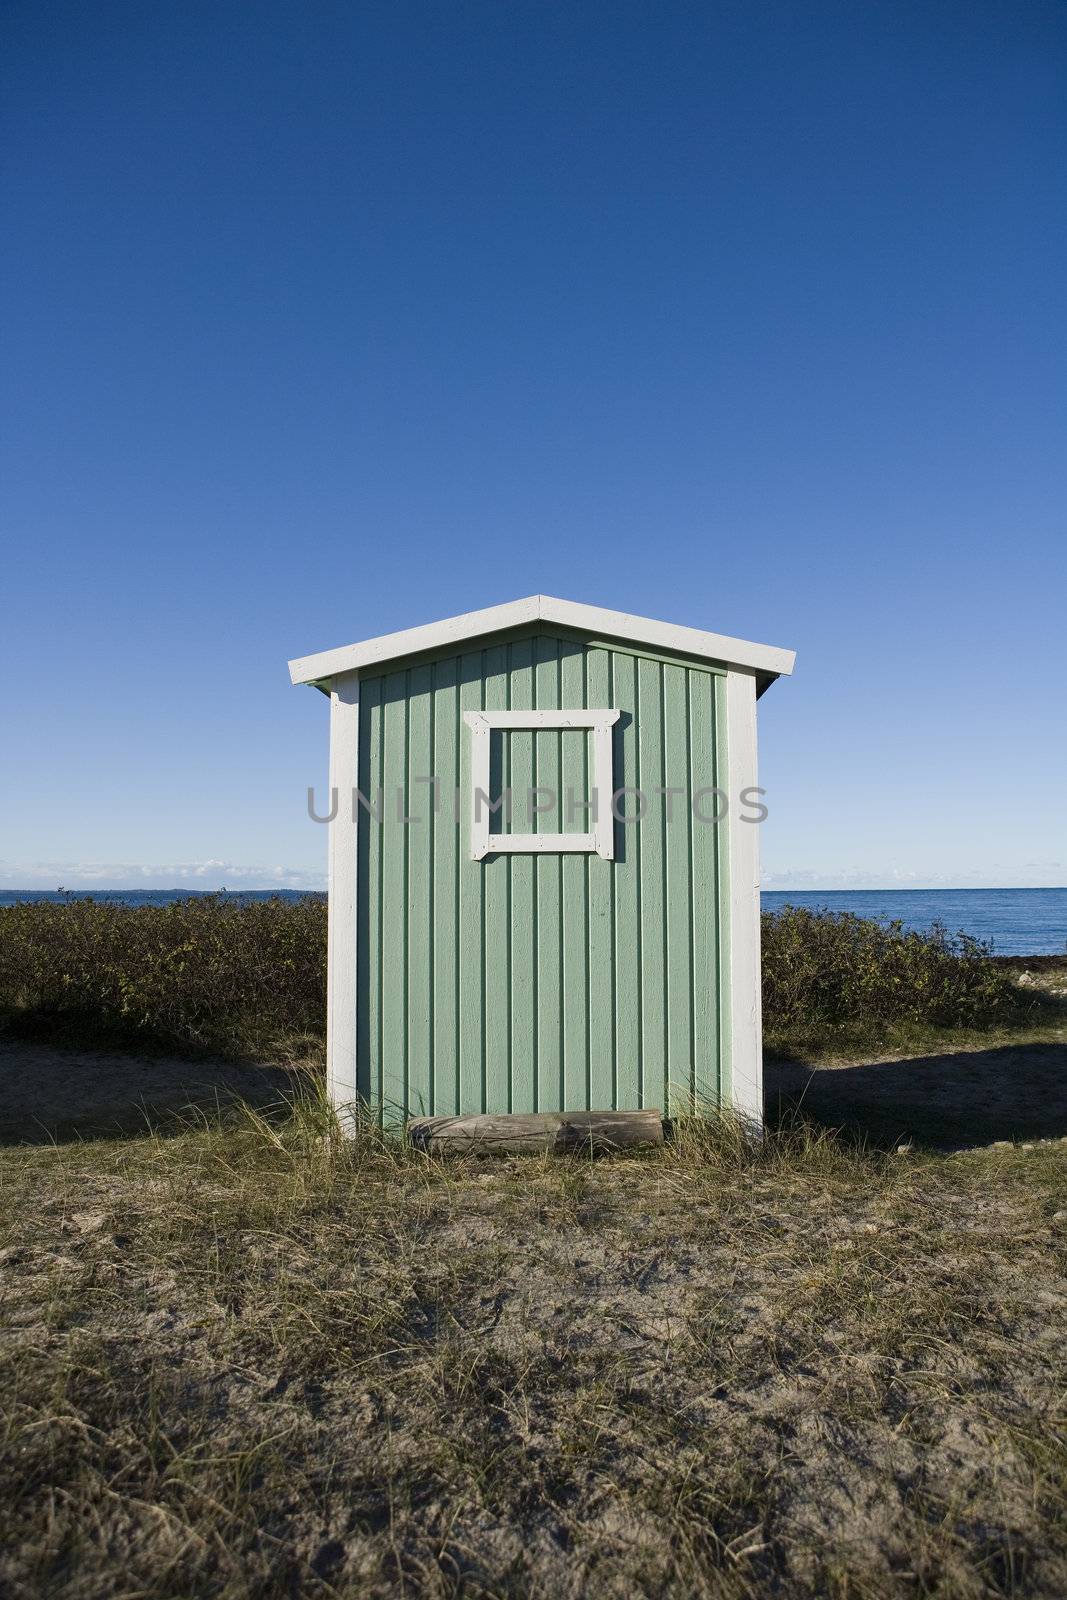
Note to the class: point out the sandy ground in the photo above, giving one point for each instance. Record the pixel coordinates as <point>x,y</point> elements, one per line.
<point>228,1373</point>
<point>961,1099</point>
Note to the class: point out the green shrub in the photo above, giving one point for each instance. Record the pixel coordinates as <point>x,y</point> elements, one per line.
<point>219,974</point>
<point>209,973</point>
<point>832,972</point>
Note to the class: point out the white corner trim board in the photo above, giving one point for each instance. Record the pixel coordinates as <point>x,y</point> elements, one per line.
<point>595,620</point>
<point>341,919</point>
<point>601,838</point>
<point>746,1012</point>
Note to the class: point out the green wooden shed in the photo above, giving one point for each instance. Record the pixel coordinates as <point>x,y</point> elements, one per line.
<point>543,864</point>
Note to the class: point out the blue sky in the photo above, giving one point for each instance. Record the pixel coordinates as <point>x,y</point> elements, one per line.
<point>325,320</point>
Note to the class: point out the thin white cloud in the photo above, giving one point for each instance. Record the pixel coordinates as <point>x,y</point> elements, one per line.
<point>166,875</point>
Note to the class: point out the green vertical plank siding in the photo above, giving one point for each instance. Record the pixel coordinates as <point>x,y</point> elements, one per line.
<point>547,875</point>
<point>574,890</point>
<point>519,869</point>
<point>470,895</point>
<point>444,908</point>
<point>627,921</point>
<point>419,840</point>
<point>650,832</point>
<point>600,910</point>
<point>554,981</point>
<point>498,966</point>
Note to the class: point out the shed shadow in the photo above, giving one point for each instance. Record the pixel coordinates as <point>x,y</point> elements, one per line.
<point>52,1095</point>
<point>960,1100</point>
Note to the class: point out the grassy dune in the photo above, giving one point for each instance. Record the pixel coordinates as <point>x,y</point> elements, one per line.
<point>243,1357</point>
<point>254,1360</point>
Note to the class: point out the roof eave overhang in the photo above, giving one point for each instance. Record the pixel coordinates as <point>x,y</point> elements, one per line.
<point>766,661</point>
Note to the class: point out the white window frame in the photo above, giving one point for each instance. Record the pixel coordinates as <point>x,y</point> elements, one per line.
<point>601,839</point>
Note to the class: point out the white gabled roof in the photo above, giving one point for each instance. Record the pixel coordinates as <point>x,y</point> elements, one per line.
<point>765,659</point>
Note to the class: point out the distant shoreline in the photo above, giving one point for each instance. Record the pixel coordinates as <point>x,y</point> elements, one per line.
<point>183,892</point>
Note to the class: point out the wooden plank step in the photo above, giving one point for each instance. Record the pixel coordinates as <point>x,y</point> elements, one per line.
<point>559,1132</point>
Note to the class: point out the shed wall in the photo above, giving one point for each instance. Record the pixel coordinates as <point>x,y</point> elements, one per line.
<point>551,982</point>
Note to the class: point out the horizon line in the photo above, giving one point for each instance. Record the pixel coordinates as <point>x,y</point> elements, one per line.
<point>281,888</point>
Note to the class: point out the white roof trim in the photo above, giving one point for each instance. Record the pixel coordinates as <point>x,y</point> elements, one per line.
<point>666,636</point>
